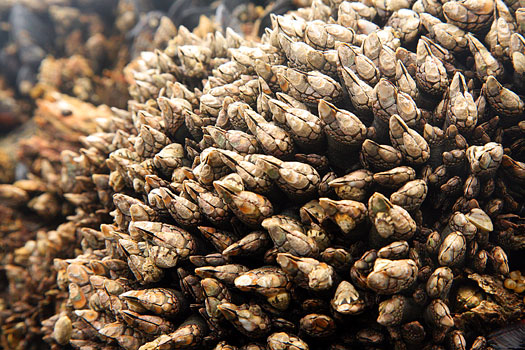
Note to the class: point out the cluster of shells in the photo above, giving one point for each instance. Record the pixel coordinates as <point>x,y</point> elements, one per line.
<point>353,180</point>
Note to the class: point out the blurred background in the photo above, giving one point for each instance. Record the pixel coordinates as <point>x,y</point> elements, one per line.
<point>80,47</point>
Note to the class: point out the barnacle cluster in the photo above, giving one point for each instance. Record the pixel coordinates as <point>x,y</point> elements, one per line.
<point>353,179</point>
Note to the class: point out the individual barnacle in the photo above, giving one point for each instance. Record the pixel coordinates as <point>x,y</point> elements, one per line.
<point>224,273</point>
<point>394,250</point>
<point>346,213</point>
<point>447,35</point>
<point>62,330</point>
<point>412,145</point>
<point>184,211</point>
<point>360,92</point>
<point>350,58</point>
<point>304,57</point>
<point>233,140</point>
<point>437,313</point>
<point>373,42</point>
<point>307,272</point>
<point>209,166</point>
<point>407,109</point>
<point>209,203</point>
<point>503,26</point>
<point>214,259</point>
<point>352,186</point>
<point>440,282</point>
<point>407,22</point>
<point>327,36</point>
<point>298,180</point>
<point>442,54</point>
<point>144,269</point>
<point>289,26</point>
<point>411,195</point>
<point>317,325</point>
<point>516,54</point>
<point>499,260</point>
<point>304,127</point>
<point>161,301</point>
<point>413,332</point>
<point>405,82</point>
<point>219,238</point>
<point>486,65</point>
<point>249,207</point>
<point>319,162</point>
<point>452,250</point>
<point>431,75</point>
<point>396,310</point>
<point>384,103</point>
<point>148,324</point>
<point>251,244</point>
<point>362,267</point>
<point>273,139</point>
<point>502,99</point>
<point>344,131</point>
<point>309,87</point>
<point>268,281</point>
<point>380,157</point>
<point>253,177</point>
<point>469,15</point>
<point>392,276</point>
<point>215,294</point>
<point>462,111</point>
<point>285,341</point>
<point>347,300</point>
<point>513,169</point>
<point>248,319</point>
<point>165,235</point>
<point>189,334</point>
<point>339,258</point>
<point>169,158</point>
<point>484,160</point>
<point>390,221</point>
<point>288,235</point>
